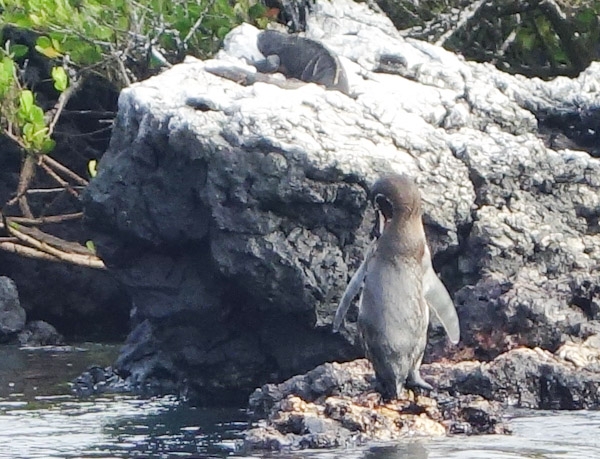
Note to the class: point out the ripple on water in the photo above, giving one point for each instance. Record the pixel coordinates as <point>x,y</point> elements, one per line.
<point>40,419</point>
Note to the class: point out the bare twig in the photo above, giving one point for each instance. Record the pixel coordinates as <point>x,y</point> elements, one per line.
<point>196,25</point>
<point>45,220</point>
<point>159,57</point>
<point>25,251</point>
<point>121,66</point>
<point>8,132</point>
<point>579,56</point>
<point>92,113</point>
<point>25,177</point>
<point>51,190</point>
<point>59,180</point>
<point>89,260</point>
<point>91,133</point>
<point>62,101</point>
<point>54,164</point>
<point>464,17</point>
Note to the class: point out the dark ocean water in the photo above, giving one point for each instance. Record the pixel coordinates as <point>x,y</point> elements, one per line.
<point>39,418</point>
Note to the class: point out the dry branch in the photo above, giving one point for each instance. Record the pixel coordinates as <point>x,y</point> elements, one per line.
<point>25,178</point>
<point>59,180</point>
<point>34,243</point>
<point>45,220</point>
<point>26,251</point>
<point>58,167</point>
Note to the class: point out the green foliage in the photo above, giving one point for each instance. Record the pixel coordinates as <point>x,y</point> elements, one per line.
<point>108,37</point>
<point>539,36</point>
<point>90,246</point>
<point>34,131</point>
<point>92,168</point>
<point>96,32</point>
<point>536,38</point>
<point>60,78</point>
<point>121,39</point>
<point>7,76</point>
<point>20,117</point>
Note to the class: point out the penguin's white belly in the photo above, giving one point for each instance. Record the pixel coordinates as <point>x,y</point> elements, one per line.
<point>392,298</point>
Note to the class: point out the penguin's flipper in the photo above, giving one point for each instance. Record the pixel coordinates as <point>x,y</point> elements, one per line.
<point>352,289</point>
<point>439,299</point>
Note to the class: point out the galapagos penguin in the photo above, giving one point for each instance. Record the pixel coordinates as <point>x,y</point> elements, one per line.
<point>399,288</point>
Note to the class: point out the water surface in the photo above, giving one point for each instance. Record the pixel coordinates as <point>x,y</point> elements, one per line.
<point>39,418</point>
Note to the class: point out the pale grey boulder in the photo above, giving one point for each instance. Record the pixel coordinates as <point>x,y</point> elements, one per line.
<point>236,213</point>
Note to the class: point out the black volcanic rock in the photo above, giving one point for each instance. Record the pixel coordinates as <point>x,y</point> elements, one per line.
<point>236,223</point>
<point>12,315</point>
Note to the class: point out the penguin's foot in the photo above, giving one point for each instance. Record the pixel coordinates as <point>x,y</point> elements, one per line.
<point>415,380</point>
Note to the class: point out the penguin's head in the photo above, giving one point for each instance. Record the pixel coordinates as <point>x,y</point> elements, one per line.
<point>395,197</point>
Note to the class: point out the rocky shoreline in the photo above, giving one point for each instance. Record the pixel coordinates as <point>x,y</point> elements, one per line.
<point>337,405</point>
<point>14,327</point>
<point>234,224</point>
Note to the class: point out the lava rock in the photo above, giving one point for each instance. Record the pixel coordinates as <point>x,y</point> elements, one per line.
<point>236,226</point>
<point>99,380</point>
<point>40,333</point>
<point>336,405</point>
<point>526,378</point>
<point>12,315</point>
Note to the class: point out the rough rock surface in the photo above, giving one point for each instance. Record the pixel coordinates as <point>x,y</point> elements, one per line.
<point>40,333</point>
<point>235,226</point>
<point>529,378</point>
<point>337,405</point>
<point>97,380</point>
<point>12,315</point>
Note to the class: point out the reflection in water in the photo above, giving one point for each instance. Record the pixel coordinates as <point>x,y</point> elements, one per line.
<point>412,450</point>
<point>28,373</point>
<point>116,427</point>
<point>39,418</point>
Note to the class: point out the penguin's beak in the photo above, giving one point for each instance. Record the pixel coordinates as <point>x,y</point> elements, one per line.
<point>384,211</point>
<point>379,226</point>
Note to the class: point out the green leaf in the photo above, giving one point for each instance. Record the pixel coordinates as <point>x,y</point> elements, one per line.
<point>25,101</point>
<point>60,78</point>
<point>222,31</point>
<point>586,17</point>
<point>92,167</point>
<point>47,145</point>
<point>50,53</point>
<point>84,53</point>
<point>103,33</point>
<point>18,50</point>
<point>7,74</point>
<point>35,19</point>
<point>36,116</point>
<point>43,42</point>
<point>55,43</point>
<point>263,22</point>
<point>44,45</point>
<point>28,132</point>
<point>91,246</point>
<point>257,11</point>
<point>528,41</point>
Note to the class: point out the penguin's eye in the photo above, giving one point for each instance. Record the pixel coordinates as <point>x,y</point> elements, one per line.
<point>384,205</point>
